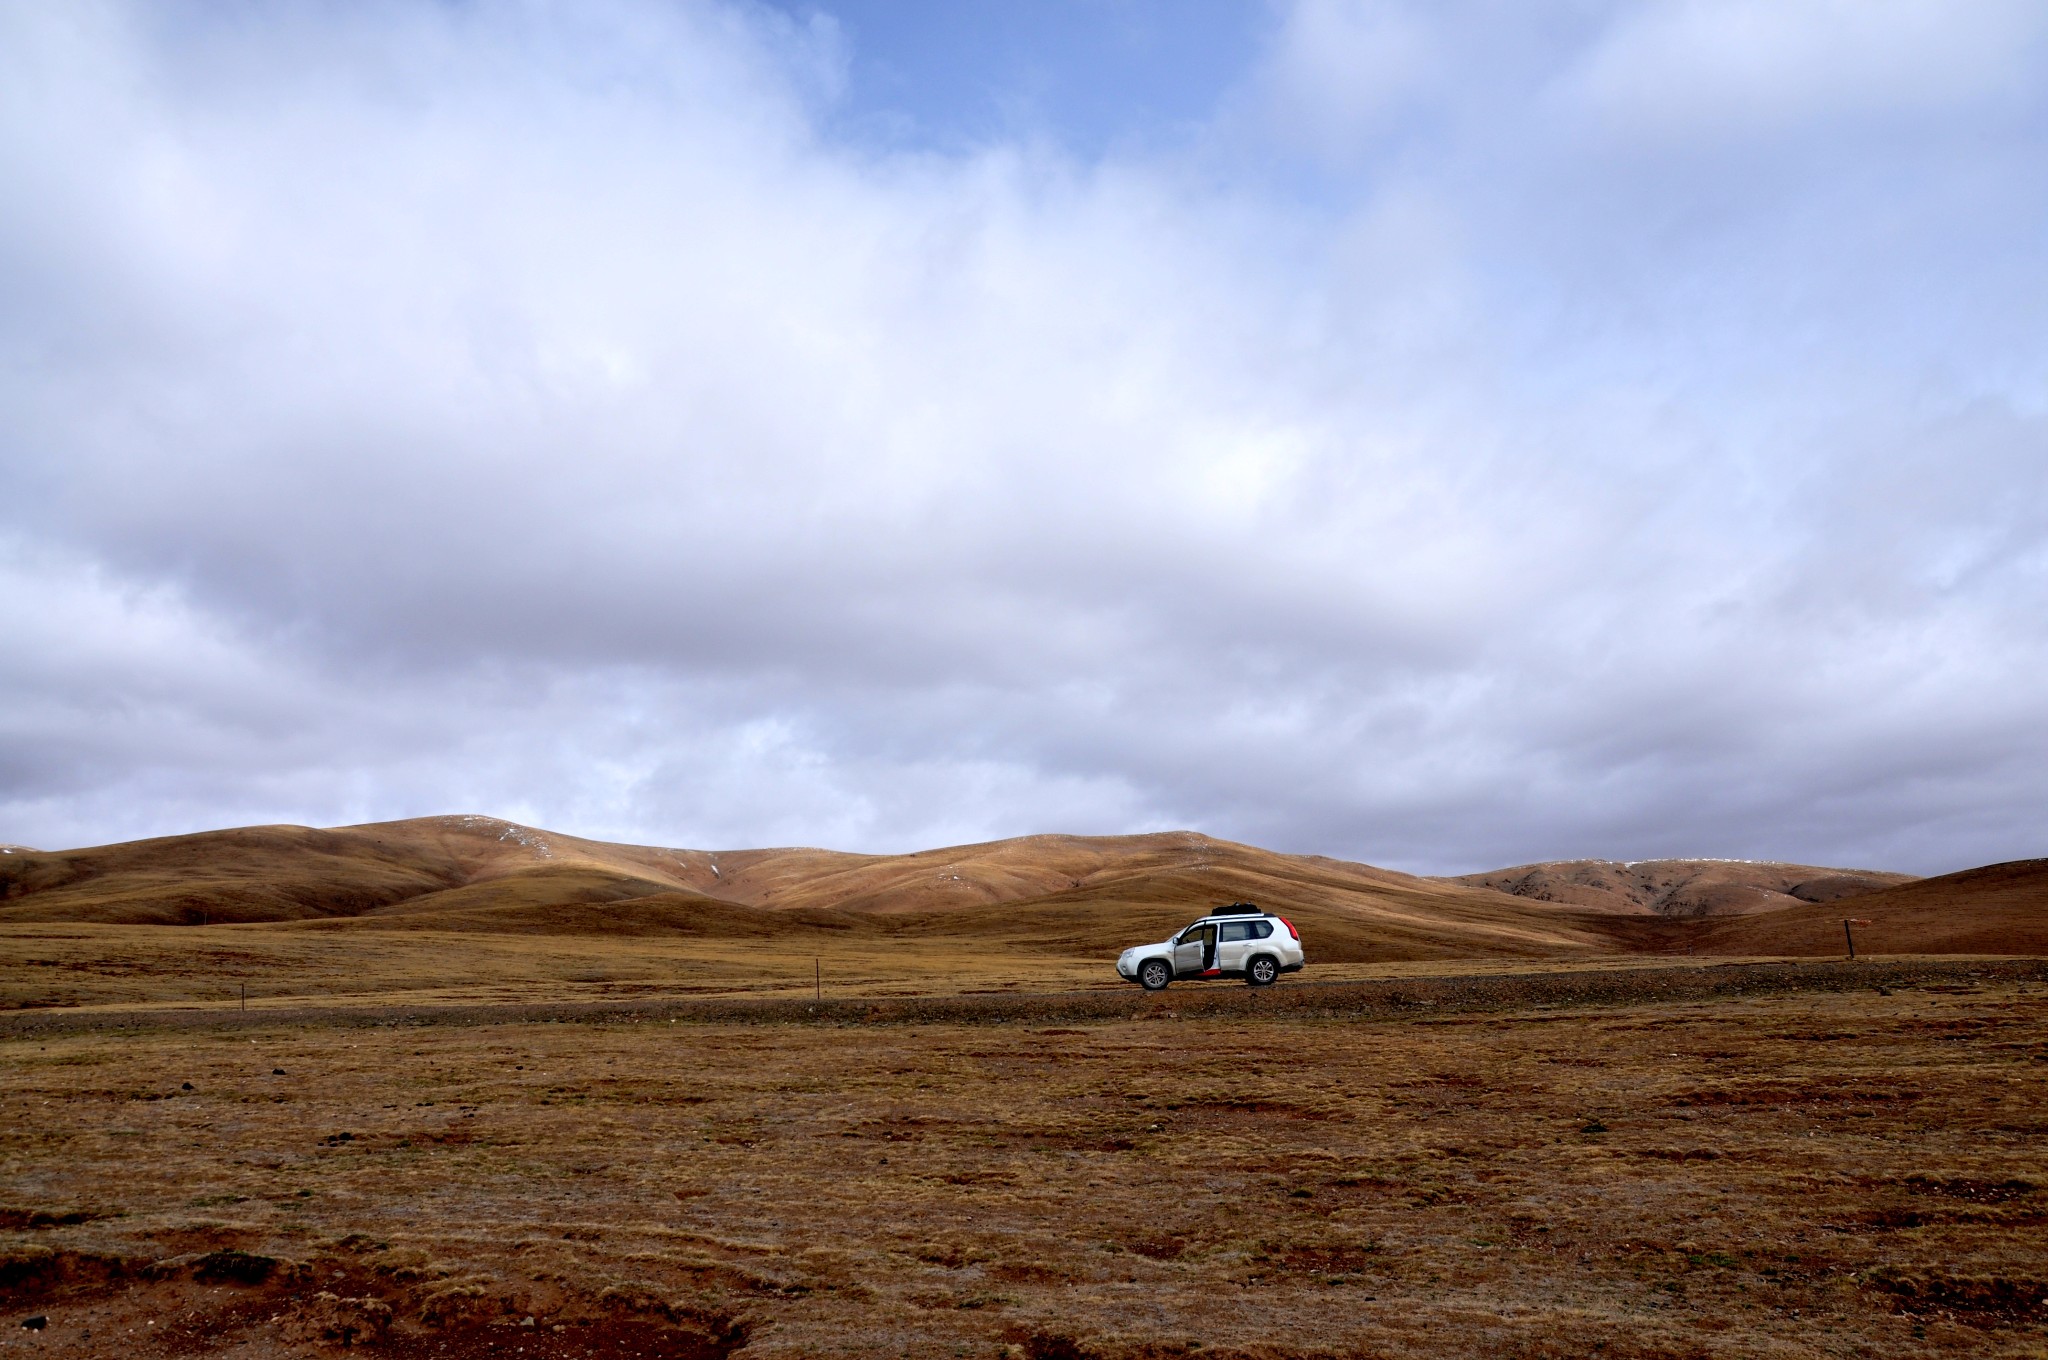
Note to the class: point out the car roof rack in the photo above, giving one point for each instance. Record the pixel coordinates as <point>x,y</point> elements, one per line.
<point>1240,909</point>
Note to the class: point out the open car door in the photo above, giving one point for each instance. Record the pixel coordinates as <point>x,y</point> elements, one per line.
<point>1232,945</point>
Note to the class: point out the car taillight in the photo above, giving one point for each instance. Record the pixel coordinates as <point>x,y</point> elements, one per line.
<point>1290,929</point>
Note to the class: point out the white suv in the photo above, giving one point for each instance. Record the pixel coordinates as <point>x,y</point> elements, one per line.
<point>1239,941</point>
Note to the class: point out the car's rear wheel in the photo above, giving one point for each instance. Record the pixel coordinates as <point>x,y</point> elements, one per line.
<point>1262,971</point>
<point>1154,974</point>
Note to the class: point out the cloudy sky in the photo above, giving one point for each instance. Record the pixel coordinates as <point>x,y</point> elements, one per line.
<point>1439,434</point>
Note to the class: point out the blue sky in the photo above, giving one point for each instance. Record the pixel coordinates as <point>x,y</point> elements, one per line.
<point>1092,76</point>
<point>1444,435</point>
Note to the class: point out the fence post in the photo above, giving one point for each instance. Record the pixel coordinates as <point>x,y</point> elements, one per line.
<point>1850,935</point>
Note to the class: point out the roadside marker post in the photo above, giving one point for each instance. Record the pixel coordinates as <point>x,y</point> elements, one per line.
<point>1850,935</point>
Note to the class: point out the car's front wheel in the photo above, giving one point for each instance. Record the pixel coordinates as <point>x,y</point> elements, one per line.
<point>1154,974</point>
<point>1262,971</point>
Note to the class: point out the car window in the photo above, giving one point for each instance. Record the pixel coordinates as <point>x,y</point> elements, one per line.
<point>1190,935</point>
<point>1236,930</point>
<point>1260,929</point>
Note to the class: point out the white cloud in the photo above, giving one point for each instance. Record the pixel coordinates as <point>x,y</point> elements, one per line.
<point>1751,67</point>
<point>531,412</point>
<point>1341,73</point>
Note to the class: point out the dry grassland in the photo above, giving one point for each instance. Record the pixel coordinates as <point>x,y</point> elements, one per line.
<point>1841,1174</point>
<point>47,966</point>
<point>65,966</point>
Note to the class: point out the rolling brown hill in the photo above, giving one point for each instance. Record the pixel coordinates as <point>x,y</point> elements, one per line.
<point>282,873</point>
<point>1040,892</point>
<point>1682,888</point>
<point>1057,894</point>
<point>1997,909</point>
